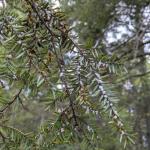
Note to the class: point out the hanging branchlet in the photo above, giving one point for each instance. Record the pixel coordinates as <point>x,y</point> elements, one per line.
<point>42,43</point>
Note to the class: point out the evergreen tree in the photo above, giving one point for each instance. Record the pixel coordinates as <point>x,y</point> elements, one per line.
<point>43,64</point>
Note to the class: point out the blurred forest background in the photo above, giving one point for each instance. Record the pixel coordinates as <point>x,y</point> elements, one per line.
<point>119,29</point>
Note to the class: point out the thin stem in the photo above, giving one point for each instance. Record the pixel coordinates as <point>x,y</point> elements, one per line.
<point>11,102</point>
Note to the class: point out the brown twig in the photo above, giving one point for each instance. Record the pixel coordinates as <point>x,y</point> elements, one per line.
<point>11,102</point>
<point>3,136</point>
<point>59,61</point>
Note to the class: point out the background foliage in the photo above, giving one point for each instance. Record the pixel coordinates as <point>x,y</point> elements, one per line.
<point>63,72</point>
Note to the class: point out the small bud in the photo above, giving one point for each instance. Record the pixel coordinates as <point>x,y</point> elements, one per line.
<point>115,117</point>
<point>9,56</point>
<point>62,130</point>
<point>19,42</point>
<point>61,74</point>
